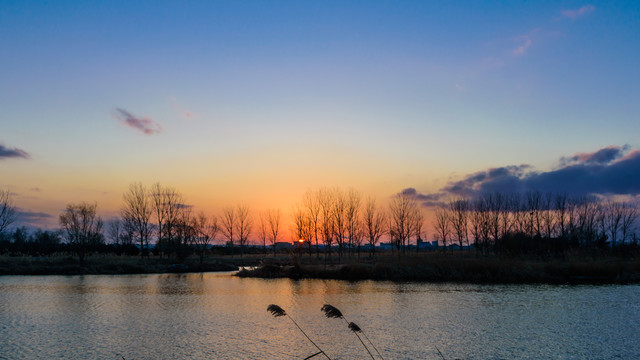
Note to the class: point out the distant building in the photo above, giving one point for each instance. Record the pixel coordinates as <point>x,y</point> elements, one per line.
<point>282,245</point>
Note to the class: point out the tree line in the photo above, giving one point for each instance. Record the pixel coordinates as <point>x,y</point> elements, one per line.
<point>332,219</point>
<point>535,223</point>
<point>333,216</point>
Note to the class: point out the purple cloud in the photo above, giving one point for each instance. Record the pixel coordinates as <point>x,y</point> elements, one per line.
<point>32,218</point>
<point>147,125</point>
<point>427,200</point>
<point>6,152</point>
<point>611,170</point>
<point>602,156</point>
<point>574,14</point>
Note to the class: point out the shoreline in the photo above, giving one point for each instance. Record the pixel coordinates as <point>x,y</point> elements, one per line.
<point>472,270</point>
<point>430,267</point>
<point>114,265</point>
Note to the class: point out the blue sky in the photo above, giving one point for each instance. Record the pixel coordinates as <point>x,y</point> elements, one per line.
<point>258,101</point>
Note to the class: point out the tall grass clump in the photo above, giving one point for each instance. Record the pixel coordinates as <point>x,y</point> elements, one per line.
<point>277,311</point>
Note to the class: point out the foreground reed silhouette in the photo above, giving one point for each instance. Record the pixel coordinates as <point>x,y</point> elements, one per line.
<point>277,311</point>
<point>331,311</point>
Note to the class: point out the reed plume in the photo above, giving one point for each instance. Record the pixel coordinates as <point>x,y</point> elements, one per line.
<point>354,327</point>
<point>331,311</point>
<point>277,311</point>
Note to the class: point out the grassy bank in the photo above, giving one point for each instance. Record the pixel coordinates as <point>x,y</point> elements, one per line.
<point>468,268</point>
<point>112,264</point>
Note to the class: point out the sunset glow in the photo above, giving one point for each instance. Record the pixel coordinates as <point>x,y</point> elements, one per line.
<point>256,103</point>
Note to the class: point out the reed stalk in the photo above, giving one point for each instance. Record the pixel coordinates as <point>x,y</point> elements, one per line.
<point>277,311</point>
<point>331,311</point>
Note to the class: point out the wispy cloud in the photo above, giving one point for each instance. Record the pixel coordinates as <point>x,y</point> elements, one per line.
<point>6,153</point>
<point>147,125</point>
<point>520,50</point>
<point>612,170</point>
<point>525,41</point>
<point>602,156</point>
<point>574,14</point>
<point>33,218</point>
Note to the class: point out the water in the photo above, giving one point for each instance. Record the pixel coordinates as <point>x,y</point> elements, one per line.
<point>217,316</point>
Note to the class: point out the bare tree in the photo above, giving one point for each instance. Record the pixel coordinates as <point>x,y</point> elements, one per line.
<point>548,218</point>
<point>312,204</point>
<point>206,230</point>
<point>325,202</point>
<point>374,221</point>
<point>460,220</point>
<point>353,200</point>
<point>628,220</point>
<point>357,234</point>
<point>263,232</point>
<point>167,205</point>
<point>496,207</point>
<point>244,224</point>
<point>477,221</point>
<point>442,224</point>
<point>560,206</point>
<point>274,216</point>
<point>7,210</point>
<point>402,208</point>
<point>612,220</point>
<point>229,225</point>
<point>185,233</point>
<point>417,219</point>
<point>302,225</point>
<point>339,211</point>
<point>532,212</point>
<point>82,227</point>
<point>137,211</point>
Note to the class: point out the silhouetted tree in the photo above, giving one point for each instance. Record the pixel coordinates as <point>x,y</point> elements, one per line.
<point>7,210</point>
<point>417,219</point>
<point>339,218</point>
<point>353,226</point>
<point>629,217</point>
<point>442,224</point>
<point>325,202</point>
<point>312,204</point>
<point>402,210</point>
<point>244,224</point>
<point>136,212</point>
<point>168,208</point>
<point>82,227</point>
<point>374,221</point>
<point>206,230</point>
<point>229,225</point>
<point>302,223</point>
<point>263,232</point>
<point>273,217</point>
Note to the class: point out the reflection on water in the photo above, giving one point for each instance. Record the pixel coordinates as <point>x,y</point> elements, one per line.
<point>217,316</point>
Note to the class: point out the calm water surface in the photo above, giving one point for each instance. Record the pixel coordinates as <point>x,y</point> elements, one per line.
<point>217,316</point>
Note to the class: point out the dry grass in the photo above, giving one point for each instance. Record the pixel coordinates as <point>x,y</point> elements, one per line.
<point>108,264</point>
<point>456,267</point>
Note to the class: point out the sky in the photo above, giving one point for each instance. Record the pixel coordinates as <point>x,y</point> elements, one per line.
<point>255,102</point>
